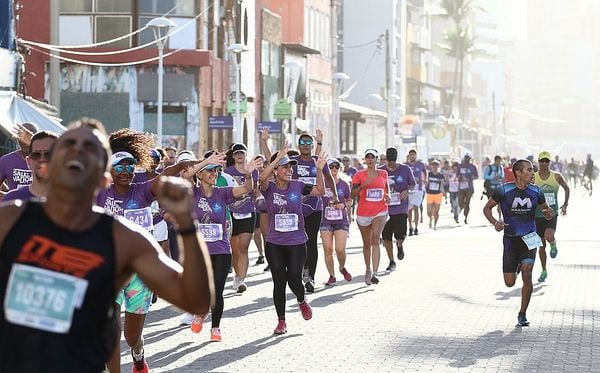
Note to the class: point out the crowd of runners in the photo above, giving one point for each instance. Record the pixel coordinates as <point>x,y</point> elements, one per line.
<point>112,222</point>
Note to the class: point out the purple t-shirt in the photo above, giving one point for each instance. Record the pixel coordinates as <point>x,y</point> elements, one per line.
<point>332,215</point>
<point>286,221</point>
<point>22,193</point>
<point>242,207</point>
<point>351,171</point>
<point>212,217</point>
<point>14,170</point>
<point>306,171</point>
<point>418,170</point>
<point>142,177</point>
<point>399,180</point>
<point>134,205</point>
<point>467,172</point>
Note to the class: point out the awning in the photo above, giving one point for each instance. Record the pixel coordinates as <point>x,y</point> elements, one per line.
<point>16,110</point>
<point>346,107</point>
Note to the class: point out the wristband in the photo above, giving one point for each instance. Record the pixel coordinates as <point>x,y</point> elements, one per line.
<point>319,143</point>
<point>191,230</point>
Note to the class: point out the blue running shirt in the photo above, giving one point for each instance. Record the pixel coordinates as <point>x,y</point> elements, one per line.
<point>518,207</point>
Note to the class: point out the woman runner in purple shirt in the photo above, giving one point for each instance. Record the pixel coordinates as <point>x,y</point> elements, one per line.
<point>210,204</point>
<point>286,239</point>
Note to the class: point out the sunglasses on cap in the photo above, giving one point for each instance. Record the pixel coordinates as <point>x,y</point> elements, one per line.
<point>120,168</point>
<point>305,142</point>
<point>36,156</point>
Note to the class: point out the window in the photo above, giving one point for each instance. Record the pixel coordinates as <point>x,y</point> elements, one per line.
<point>75,6</point>
<point>108,28</point>
<point>172,7</point>
<point>113,6</point>
<point>265,58</point>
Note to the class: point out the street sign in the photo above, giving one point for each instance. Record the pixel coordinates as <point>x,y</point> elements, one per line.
<point>231,103</point>
<point>283,110</point>
<point>220,122</point>
<point>273,127</point>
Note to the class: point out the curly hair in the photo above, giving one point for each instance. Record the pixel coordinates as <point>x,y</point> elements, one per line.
<point>134,142</point>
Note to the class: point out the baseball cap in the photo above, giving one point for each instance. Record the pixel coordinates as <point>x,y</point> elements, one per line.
<point>333,161</point>
<point>154,153</point>
<point>545,155</point>
<point>119,156</point>
<point>210,166</point>
<point>467,155</point>
<point>373,152</point>
<point>239,148</point>
<point>285,160</point>
<point>435,161</point>
<point>185,155</point>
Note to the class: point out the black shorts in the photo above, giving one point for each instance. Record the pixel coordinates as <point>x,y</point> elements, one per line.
<point>243,225</point>
<point>541,224</point>
<point>515,252</point>
<point>396,224</point>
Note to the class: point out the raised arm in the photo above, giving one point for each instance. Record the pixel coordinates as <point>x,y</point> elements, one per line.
<point>264,143</point>
<point>249,180</point>
<point>266,174</point>
<point>190,166</point>
<point>319,189</point>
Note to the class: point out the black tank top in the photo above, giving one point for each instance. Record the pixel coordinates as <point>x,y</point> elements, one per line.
<point>40,258</point>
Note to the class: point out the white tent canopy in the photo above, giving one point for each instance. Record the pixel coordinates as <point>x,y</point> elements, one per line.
<point>16,110</point>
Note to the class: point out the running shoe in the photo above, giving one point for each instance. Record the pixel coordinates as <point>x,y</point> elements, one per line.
<point>410,231</point>
<point>401,252</point>
<point>281,328</point>
<point>267,268</point>
<point>306,310</point>
<point>242,287</point>
<point>139,363</point>
<point>466,220</point>
<point>215,335</point>
<point>347,276</point>
<point>305,276</point>
<point>197,323</point>
<point>374,280</point>
<point>391,267</point>
<point>235,283</point>
<point>522,319</point>
<point>553,250</point>
<point>331,281</point>
<point>416,231</point>
<point>310,285</point>
<point>543,276</point>
<point>368,276</point>
<point>186,319</point>
<point>260,260</point>
<point>456,219</point>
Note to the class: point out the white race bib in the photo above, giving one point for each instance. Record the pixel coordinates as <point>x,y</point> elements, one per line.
<point>141,217</point>
<point>211,232</point>
<point>331,213</point>
<point>43,299</point>
<point>395,199</point>
<point>286,222</point>
<point>434,186</point>
<point>532,240</point>
<point>239,216</point>
<point>308,180</point>
<point>374,194</point>
<point>550,200</point>
<point>463,185</point>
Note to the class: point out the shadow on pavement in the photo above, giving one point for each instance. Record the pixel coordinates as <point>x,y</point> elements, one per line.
<point>537,291</point>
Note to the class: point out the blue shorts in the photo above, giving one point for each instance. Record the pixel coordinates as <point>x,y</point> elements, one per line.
<point>136,296</point>
<point>334,227</point>
<point>515,252</point>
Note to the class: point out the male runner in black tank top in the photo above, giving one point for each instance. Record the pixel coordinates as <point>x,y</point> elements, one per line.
<point>62,262</point>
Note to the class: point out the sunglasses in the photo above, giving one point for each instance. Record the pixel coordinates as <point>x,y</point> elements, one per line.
<point>216,169</point>
<point>305,142</point>
<point>36,156</point>
<point>334,166</point>
<point>120,168</point>
<point>544,160</point>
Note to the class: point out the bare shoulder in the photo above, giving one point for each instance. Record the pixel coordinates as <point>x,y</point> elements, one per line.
<point>10,212</point>
<point>131,241</point>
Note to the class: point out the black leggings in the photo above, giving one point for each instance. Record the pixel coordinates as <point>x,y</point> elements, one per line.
<point>286,264</point>
<point>220,264</point>
<point>312,224</point>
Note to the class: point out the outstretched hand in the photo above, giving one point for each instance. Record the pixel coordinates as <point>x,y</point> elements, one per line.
<point>322,160</point>
<point>175,196</point>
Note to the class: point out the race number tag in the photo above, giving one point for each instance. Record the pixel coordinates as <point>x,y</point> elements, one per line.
<point>532,240</point>
<point>331,213</point>
<point>211,232</point>
<point>395,198</point>
<point>374,194</point>
<point>286,222</point>
<point>435,186</point>
<point>550,200</point>
<point>42,299</point>
<point>308,180</point>
<point>463,185</point>
<point>141,217</point>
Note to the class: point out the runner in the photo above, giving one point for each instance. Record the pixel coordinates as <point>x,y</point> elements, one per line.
<point>259,205</point>
<point>572,166</point>
<point>493,176</point>
<point>37,162</point>
<point>350,171</point>
<point>467,172</point>
<point>79,333</point>
<point>209,205</point>
<point>400,182</point>
<point>549,182</point>
<point>132,201</point>
<point>312,206</point>
<point>335,224</point>
<point>434,186</point>
<point>453,184</point>
<point>243,216</point>
<point>371,185</point>
<point>518,201</point>
<point>286,239</point>
<point>415,197</point>
<point>13,167</point>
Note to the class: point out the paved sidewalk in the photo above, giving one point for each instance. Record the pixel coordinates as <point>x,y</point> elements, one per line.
<point>445,309</point>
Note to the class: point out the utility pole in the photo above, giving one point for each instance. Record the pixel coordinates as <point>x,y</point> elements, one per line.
<point>54,61</point>
<point>335,133</point>
<point>389,100</point>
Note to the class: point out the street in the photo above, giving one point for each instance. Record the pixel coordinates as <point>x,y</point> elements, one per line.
<point>445,309</point>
